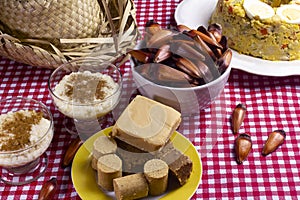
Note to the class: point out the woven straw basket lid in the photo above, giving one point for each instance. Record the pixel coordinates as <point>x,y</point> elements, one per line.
<point>47,33</point>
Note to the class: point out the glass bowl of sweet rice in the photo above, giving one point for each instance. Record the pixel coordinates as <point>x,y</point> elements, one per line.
<point>26,131</point>
<point>85,91</point>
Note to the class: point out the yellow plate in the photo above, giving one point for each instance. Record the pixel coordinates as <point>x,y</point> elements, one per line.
<point>84,179</point>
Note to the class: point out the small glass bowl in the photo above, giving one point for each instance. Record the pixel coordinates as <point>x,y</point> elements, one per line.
<point>85,118</point>
<point>28,163</point>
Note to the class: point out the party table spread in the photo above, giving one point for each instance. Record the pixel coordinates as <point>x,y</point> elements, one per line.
<point>273,103</point>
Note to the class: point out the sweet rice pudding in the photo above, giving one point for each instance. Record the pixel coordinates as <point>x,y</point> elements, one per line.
<point>20,137</point>
<point>86,95</point>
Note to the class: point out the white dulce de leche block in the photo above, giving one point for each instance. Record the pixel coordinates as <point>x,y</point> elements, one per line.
<point>146,124</point>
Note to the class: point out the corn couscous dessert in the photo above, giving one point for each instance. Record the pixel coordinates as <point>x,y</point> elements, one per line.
<point>268,29</point>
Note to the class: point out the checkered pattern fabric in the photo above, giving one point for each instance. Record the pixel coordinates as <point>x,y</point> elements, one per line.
<point>272,103</point>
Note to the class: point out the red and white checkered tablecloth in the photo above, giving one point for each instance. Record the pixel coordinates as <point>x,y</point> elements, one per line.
<point>272,103</point>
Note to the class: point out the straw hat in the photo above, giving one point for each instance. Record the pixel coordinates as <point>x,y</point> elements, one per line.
<point>47,33</point>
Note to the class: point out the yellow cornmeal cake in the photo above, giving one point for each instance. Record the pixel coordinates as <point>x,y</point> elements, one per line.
<point>275,35</point>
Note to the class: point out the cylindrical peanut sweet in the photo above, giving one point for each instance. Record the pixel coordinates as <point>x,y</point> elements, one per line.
<point>102,145</point>
<point>109,167</point>
<point>94,162</point>
<point>156,172</point>
<point>133,186</point>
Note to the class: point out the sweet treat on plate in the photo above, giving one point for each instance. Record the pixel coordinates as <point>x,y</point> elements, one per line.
<point>181,168</point>
<point>159,168</point>
<point>102,145</point>
<point>109,167</point>
<point>180,165</point>
<point>265,29</point>
<point>146,124</point>
<point>132,157</point>
<point>85,88</point>
<point>19,131</point>
<point>156,172</point>
<point>140,157</point>
<point>94,163</point>
<point>165,150</point>
<point>133,186</point>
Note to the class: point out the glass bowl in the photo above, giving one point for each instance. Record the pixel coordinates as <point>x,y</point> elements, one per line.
<point>85,91</point>
<point>26,131</point>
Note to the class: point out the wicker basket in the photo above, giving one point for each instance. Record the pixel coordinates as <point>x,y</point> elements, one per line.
<point>48,33</point>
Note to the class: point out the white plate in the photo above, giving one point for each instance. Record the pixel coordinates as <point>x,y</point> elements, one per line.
<point>194,13</point>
